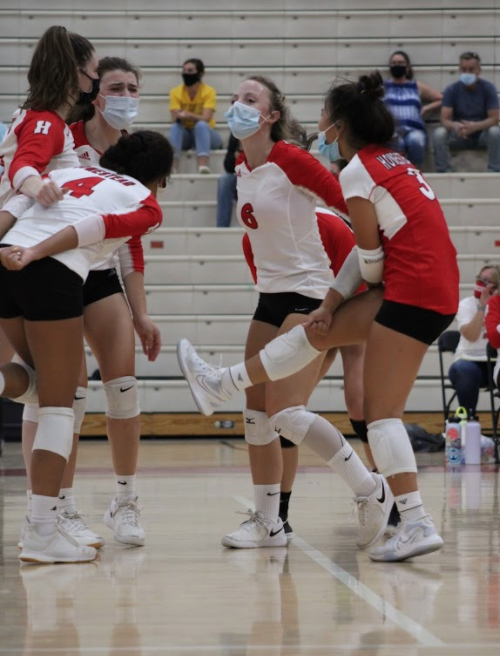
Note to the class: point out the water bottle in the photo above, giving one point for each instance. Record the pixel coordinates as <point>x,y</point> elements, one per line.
<point>453,441</point>
<point>473,441</point>
<point>225,423</point>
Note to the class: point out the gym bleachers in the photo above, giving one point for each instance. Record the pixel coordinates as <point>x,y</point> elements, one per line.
<point>197,282</point>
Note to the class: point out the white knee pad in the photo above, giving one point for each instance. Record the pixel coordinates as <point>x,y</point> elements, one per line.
<point>30,412</point>
<point>293,423</point>
<point>79,407</point>
<point>55,431</point>
<point>31,394</point>
<point>287,354</point>
<point>258,429</point>
<point>122,398</point>
<point>391,447</point>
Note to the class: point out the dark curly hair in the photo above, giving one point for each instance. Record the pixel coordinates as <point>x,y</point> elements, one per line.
<point>144,155</point>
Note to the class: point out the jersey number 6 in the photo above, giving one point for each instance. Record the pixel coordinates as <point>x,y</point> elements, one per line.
<point>248,218</point>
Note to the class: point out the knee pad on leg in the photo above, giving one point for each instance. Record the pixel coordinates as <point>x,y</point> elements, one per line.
<point>258,429</point>
<point>391,447</point>
<point>31,394</point>
<point>30,412</point>
<point>79,407</point>
<point>287,354</point>
<point>286,444</point>
<point>293,423</point>
<point>122,398</point>
<point>55,431</point>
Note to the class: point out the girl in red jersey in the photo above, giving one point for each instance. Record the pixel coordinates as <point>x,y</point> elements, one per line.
<point>402,242</point>
<point>41,309</point>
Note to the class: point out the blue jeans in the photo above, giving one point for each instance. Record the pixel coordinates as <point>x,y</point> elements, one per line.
<point>202,138</point>
<point>413,144</point>
<point>468,377</point>
<point>445,140</point>
<point>226,195</point>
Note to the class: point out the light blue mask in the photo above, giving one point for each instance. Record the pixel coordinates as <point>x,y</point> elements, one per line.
<point>330,151</point>
<point>243,120</point>
<point>468,79</point>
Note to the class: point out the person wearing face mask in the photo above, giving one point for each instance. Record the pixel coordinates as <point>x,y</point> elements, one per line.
<point>469,117</point>
<point>404,97</point>
<point>192,108</point>
<point>469,373</point>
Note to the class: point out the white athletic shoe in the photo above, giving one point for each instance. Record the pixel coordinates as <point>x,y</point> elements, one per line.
<point>25,525</point>
<point>73,525</point>
<point>122,517</point>
<point>373,513</point>
<point>58,547</point>
<point>255,532</point>
<point>412,539</point>
<point>203,378</point>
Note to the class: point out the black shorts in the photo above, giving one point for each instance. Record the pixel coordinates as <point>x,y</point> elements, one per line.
<point>101,284</point>
<point>274,308</point>
<point>423,325</point>
<point>46,290</point>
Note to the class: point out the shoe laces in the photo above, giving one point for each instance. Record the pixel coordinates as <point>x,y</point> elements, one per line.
<point>254,517</point>
<point>359,510</point>
<point>129,512</point>
<point>73,521</point>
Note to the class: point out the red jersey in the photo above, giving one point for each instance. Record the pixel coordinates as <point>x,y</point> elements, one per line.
<point>420,266</point>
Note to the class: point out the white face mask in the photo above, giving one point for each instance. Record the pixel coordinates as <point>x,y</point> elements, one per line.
<point>120,111</point>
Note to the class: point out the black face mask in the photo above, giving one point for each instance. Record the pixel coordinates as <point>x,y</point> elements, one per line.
<point>190,78</point>
<point>398,71</point>
<point>86,97</point>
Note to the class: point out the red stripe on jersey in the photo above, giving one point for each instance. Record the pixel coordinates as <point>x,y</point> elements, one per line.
<point>136,252</point>
<point>492,321</point>
<point>78,132</point>
<point>40,137</point>
<point>136,223</point>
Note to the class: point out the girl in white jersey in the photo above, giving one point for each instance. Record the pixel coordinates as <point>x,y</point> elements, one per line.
<point>41,308</point>
<point>108,326</point>
<point>278,185</point>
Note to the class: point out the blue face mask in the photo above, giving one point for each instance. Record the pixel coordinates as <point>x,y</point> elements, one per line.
<point>468,79</point>
<point>243,120</point>
<point>330,151</point>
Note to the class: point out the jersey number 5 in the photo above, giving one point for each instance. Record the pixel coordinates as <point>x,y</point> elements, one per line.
<point>248,218</point>
<point>82,187</point>
<point>425,189</point>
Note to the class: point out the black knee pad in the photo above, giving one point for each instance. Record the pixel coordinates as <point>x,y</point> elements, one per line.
<point>286,444</point>
<point>361,429</point>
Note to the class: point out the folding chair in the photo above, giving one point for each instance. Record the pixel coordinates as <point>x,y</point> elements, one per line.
<point>494,394</point>
<point>447,343</point>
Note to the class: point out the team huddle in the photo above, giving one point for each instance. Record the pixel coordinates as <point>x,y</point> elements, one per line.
<point>375,277</point>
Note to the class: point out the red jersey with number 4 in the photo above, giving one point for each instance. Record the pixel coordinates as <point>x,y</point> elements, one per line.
<point>120,205</point>
<point>420,266</point>
<point>276,206</point>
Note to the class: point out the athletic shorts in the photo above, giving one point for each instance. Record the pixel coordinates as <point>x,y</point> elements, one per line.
<point>99,285</point>
<point>274,308</point>
<point>419,323</point>
<point>46,290</point>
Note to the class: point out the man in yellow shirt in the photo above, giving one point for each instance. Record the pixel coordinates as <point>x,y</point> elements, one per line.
<point>192,108</point>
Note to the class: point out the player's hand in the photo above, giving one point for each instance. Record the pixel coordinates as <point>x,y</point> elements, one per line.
<point>15,258</point>
<point>319,321</point>
<point>49,193</point>
<point>150,336</point>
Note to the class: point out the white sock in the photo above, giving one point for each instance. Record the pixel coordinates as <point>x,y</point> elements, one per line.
<point>29,495</point>
<point>349,467</point>
<point>125,487</point>
<point>44,512</point>
<point>67,500</point>
<point>236,377</point>
<point>2,383</point>
<point>410,506</point>
<point>267,500</point>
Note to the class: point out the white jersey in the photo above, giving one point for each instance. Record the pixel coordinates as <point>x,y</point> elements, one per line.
<point>276,206</point>
<point>120,205</point>
<point>36,142</point>
<point>467,309</point>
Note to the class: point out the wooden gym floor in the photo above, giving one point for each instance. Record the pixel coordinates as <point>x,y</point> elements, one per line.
<point>185,594</point>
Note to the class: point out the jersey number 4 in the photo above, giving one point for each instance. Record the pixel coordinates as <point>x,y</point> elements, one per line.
<point>248,217</point>
<point>83,186</point>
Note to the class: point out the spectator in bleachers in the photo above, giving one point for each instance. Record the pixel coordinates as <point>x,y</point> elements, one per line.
<point>226,184</point>
<point>192,108</point>
<point>404,96</point>
<point>469,373</point>
<point>469,117</point>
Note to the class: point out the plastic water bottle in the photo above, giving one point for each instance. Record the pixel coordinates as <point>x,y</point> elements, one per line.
<point>453,444</point>
<point>225,423</point>
<point>473,441</point>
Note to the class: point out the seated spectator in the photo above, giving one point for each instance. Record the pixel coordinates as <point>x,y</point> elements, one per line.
<point>192,108</point>
<point>469,373</point>
<point>226,184</point>
<point>492,325</point>
<point>469,117</point>
<point>404,96</point>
